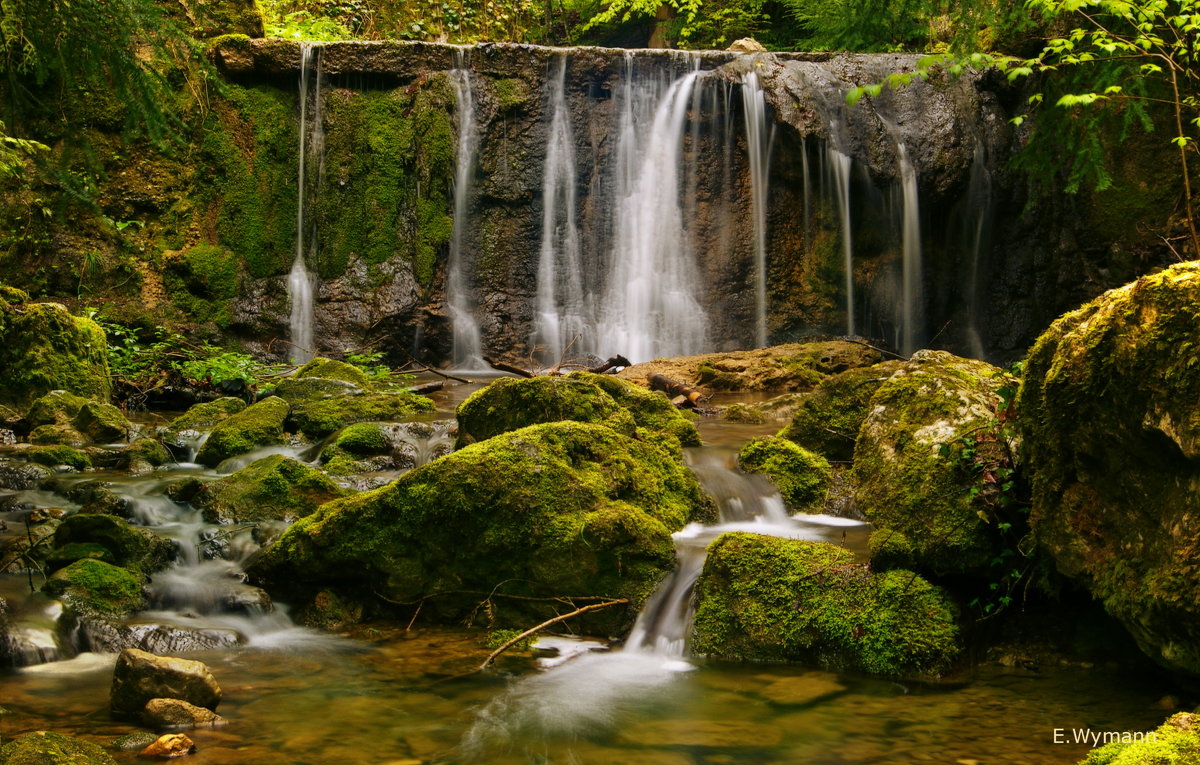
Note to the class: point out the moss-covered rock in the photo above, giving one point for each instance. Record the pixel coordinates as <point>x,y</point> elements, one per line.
<point>57,435</point>
<point>1175,742</point>
<point>328,369</point>
<point>256,426</point>
<point>132,547</point>
<point>58,407</point>
<point>95,589</point>
<point>44,348</point>
<point>295,390</point>
<point>317,419</point>
<point>650,409</point>
<point>273,488</point>
<point>561,508</point>
<point>744,413</point>
<point>69,553</point>
<point>1110,416</point>
<point>764,598</point>
<point>802,477</point>
<point>142,455</point>
<point>53,456</point>
<point>60,417</point>
<point>209,18</point>
<point>206,415</point>
<point>913,470</point>
<point>102,423</point>
<point>889,549</point>
<point>47,748</point>
<point>828,418</point>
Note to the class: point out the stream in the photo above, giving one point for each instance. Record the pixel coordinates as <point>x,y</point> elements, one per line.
<point>381,695</point>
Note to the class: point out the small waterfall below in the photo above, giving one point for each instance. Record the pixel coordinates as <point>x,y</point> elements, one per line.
<point>911,313</point>
<point>563,308</point>
<point>467,339</point>
<point>758,144</point>
<point>649,307</point>
<point>978,238</point>
<point>301,284</point>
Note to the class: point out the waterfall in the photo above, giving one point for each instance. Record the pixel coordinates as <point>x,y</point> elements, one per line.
<point>910,305</point>
<point>468,348</point>
<point>301,283</point>
<point>563,309</point>
<point>758,146</point>
<point>649,307</point>
<point>841,165</point>
<point>978,240</point>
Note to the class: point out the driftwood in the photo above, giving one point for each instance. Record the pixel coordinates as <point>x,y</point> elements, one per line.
<point>672,389</point>
<point>426,368</point>
<point>501,366</point>
<point>533,630</point>
<point>428,387</point>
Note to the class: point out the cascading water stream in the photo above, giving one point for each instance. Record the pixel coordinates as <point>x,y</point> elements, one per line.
<point>758,145</point>
<point>911,314</point>
<point>979,212</point>
<point>649,307</point>
<point>841,165</point>
<point>301,283</point>
<point>468,345</point>
<point>563,308</point>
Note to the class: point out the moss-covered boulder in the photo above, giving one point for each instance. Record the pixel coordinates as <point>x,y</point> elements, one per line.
<point>924,453</point>
<point>889,549</point>
<point>132,547</point>
<point>320,418</point>
<point>102,423</point>
<point>295,390</point>
<point>562,508</point>
<point>1110,417</point>
<point>57,435</point>
<point>206,415</point>
<point>801,476</point>
<point>511,403</point>
<point>328,369</point>
<point>274,488</point>
<point>93,589</point>
<point>47,748</point>
<point>764,598</point>
<point>828,418</point>
<point>44,348</point>
<point>256,426</point>
<point>58,407</point>
<point>143,455</point>
<point>60,417</point>
<point>1175,742</point>
<point>55,456</point>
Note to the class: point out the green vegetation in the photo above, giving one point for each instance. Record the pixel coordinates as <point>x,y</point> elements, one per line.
<point>258,425</point>
<point>46,748</point>
<point>801,476</point>
<point>93,588</point>
<point>132,547</point>
<point>1177,741</point>
<point>320,418</point>
<point>273,488</point>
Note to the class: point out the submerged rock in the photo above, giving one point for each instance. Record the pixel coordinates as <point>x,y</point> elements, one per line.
<point>177,714</point>
<point>140,676</point>
<point>764,598</point>
<point>258,425</point>
<point>47,748</point>
<point>801,476</point>
<point>169,747</point>
<point>561,508</point>
<point>923,455</point>
<point>1110,415</point>
<point>273,488</point>
<point>44,348</point>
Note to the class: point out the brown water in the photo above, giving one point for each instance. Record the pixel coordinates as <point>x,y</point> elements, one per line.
<point>297,696</point>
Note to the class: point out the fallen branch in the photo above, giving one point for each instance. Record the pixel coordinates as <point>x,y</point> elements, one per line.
<point>534,630</point>
<point>612,363</point>
<point>672,388</point>
<point>429,387</point>
<point>501,366</point>
<point>426,368</point>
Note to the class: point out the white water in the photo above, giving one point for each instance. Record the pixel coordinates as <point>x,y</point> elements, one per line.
<point>468,345</point>
<point>564,310</point>
<point>978,236</point>
<point>300,284</point>
<point>841,165</point>
<point>649,307</point>
<point>759,150</point>
<point>911,315</point>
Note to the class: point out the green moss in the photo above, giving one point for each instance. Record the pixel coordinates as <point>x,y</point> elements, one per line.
<point>258,425</point>
<point>561,508</point>
<point>802,477</point>
<point>238,42</point>
<point>132,547</point>
<point>717,379</point>
<point>889,549</point>
<point>46,748</point>
<point>12,295</point>
<point>511,403</point>
<point>44,348</point>
<point>908,460</point>
<point>1110,424</point>
<point>312,388</point>
<point>52,456</point>
<point>329,369</point>
<point>146,451</point>
<point>45,435</point>
<point>202,282</point>
<point>650,409</point>
<point>743,413</point>
<point>273,488</point>
<point>69,553</point>
<point>768,599</point>
<point>828,418</point>
<point>55,408</point>
<point>511,93</point>
<point>1175,742</point>
<point>94,588</point>
<point>317,419</point>
<point>363,440</point>
<point>102,423</point>
<point>206,415</point>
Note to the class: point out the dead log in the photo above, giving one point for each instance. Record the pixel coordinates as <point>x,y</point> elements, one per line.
<point>612,363</point>
<point>534,630</point>
<point>672,389</point>
<point>429,387</point>
<point>502,367</point>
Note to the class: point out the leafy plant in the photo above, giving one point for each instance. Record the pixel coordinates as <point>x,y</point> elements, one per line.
<point>369,362</point>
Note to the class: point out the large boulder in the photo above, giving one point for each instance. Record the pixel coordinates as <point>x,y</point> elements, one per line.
<point>140,676</point>
<point>763,598</point>
<point>931,457</point>
<point>207,414</point>
<point>1110,415</point>
<point>256,426</point>
<point>801,476</point>
<point>48,748</point>
<point>557,509</point>
<point>827,419</point>
<point>44,348</point>
<point>323,417</point>
<point>274,488</point>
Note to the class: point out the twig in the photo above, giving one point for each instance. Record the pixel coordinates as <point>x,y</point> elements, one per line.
<point>500,365</point>
<point>427,368</point>
<point>532,630</point>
